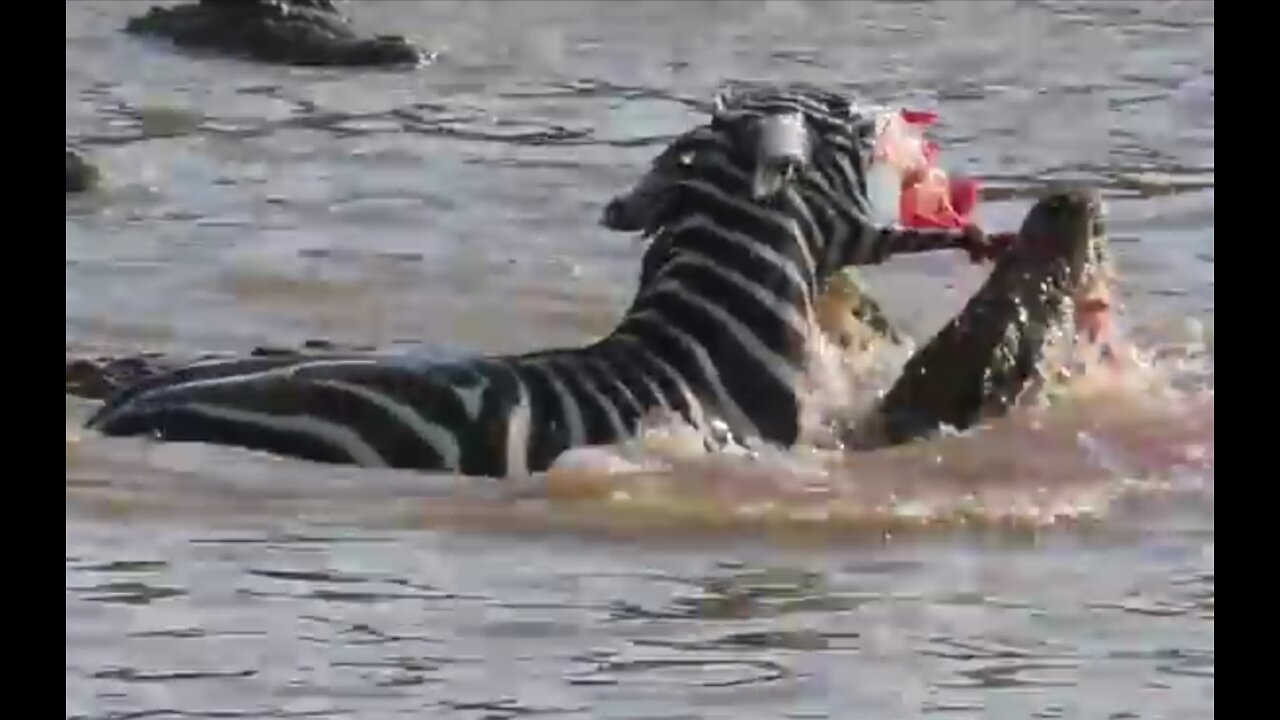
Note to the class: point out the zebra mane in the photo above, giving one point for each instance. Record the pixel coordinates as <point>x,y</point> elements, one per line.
<point>789,120</point>
<point>830,110</point>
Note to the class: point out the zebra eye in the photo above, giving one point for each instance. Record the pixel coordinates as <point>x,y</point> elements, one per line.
<point>686,159</point>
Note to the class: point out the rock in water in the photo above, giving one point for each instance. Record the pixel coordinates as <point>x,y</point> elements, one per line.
<point>286,32</point>
<point>82,175</point>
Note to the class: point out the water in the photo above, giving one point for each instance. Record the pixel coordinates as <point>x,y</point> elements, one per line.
<point>1057,565</point>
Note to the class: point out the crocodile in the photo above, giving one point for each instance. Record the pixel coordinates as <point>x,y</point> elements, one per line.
<point>287,32</point>
<point>1049,286</point>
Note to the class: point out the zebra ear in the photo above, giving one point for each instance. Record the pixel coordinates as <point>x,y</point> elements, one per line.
<point>782,150</point>
<point>718,104</point>
<point>724,98</point>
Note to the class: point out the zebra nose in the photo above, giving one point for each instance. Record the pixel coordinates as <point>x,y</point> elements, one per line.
<point>617,217</point>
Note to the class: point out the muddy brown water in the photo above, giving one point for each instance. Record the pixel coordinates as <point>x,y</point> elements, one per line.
<point>1060,565</point>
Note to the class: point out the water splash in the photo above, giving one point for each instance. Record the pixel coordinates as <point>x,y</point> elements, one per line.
<point>1100,432</point>
<point>1105,426</point>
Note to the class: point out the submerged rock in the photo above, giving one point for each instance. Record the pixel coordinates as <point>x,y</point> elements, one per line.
<point>287,32</point>
<point>98,377</point>
<point>82,175</point>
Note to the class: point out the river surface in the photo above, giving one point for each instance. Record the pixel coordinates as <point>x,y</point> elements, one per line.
<point>1058,565</point>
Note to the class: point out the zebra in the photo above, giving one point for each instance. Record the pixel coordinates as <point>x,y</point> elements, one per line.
<point>750,211</point>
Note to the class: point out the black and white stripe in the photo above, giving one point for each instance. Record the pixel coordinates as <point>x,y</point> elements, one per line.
<point>718,331</point>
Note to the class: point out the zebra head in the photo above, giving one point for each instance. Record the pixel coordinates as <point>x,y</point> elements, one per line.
<point>760,139</point>
<point>789,155</point>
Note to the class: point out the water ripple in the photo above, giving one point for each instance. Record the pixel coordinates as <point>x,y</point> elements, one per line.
<point>707,672</point>
<point>128,674</point>
<point>129,593</point>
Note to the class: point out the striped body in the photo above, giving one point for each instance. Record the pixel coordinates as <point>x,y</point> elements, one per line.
<point>749,214</point>
<point>503,416</point>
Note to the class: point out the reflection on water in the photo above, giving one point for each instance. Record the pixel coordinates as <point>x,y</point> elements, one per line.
<point>1059,564</point>
<point>253,622</point>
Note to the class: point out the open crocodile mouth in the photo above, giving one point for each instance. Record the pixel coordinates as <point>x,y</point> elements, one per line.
<point>1088,327</point>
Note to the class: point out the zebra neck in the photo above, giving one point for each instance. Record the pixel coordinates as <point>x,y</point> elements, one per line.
<point>726,321</point>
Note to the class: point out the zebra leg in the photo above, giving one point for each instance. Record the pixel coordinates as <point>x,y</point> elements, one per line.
<point>982,362</point>
<point>847,313</point>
